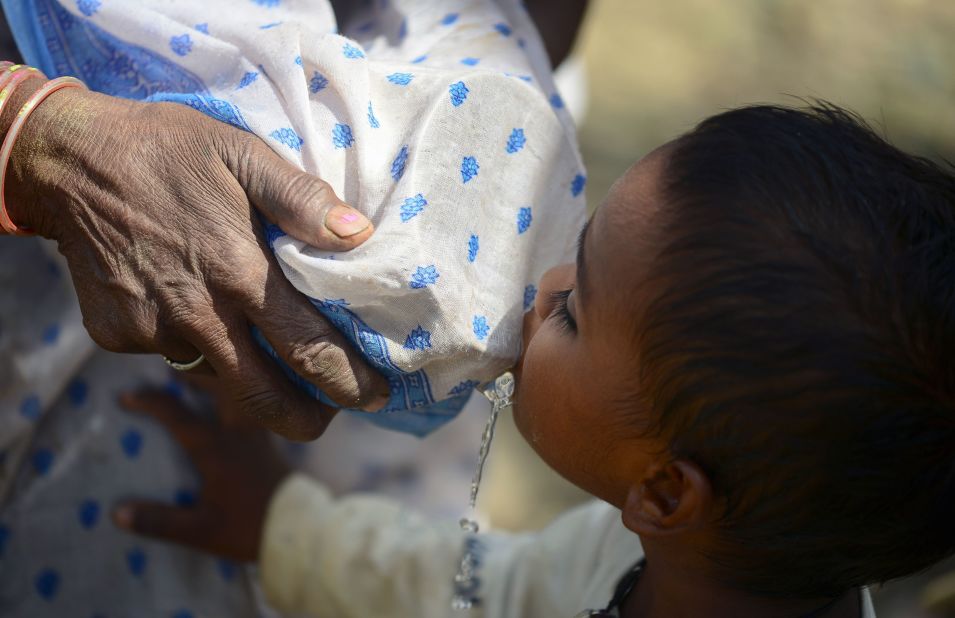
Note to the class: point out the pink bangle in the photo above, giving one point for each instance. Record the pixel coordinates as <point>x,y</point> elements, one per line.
<point>9,82</point>
<point>35,99</point>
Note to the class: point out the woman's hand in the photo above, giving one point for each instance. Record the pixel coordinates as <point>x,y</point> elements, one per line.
<point>239,469</point>
<point>151,203</point>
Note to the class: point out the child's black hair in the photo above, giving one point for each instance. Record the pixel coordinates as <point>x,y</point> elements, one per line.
<point>801,346</point>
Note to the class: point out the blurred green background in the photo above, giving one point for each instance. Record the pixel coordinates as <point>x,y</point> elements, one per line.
<point>657,68</point>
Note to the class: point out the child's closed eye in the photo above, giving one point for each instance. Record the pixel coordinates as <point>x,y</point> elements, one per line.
<point>565,321</point>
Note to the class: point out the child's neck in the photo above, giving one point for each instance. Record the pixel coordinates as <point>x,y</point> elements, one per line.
<point>667,589</point>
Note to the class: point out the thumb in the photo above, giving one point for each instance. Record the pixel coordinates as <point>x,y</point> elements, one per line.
<point>186,526</point>
<point>301,204</point>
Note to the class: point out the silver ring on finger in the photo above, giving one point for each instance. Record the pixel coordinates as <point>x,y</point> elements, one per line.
<point>184,366</point>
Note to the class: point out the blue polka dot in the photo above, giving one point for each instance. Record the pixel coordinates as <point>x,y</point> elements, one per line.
<point>469,168</point>
<point>185,498</point>
<point>298,60</point>
<point>342,136</point>
<point>516,141</point>
<point>77,392</point>
<point>30,407</point>
<point>423,277</point>
<point>267,3</point>
<point>350,51</point>
<point>88,513</point>
<point>53,269</point>
<point>398,165</point>
<point>480,327</point>
<point>459,93</point>
<point>503,28</point>
<point>366,27</point>
<point>419,59</point>
<point>203,28</point>
<point>173,387</point>
<point>132,443</point>
<point>42,460</point>
<point>136,561</point>
<point>247,79</point>
<point>521,43</point>
<point>556,102</point>
<point>524,219</point>
<point>227,569</point>
<point>470,61</point>
<point>47,583</point>
<point>412,206</point>
<point>317,83</point>
<point>401,79</point>
<point>403,29</point>
<point>4,535</point>
<point>50,334</point>
<point>577,184</point>
<point>289,137</point>
<point>449,19</point>
<point>530,293</point>
<point>418,339</point>
<point>473,246</point>
<point>88,7</point>
<point>181,45</point>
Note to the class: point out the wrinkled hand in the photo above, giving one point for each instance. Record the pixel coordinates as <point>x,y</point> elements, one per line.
<point>151,203</point>
<point>239,469</point>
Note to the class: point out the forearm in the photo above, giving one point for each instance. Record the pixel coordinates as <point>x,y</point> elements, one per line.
<point>558,22</point>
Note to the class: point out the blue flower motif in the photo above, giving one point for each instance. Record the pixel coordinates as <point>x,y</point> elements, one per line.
<point>480,327</point>
<point>403,30</point>
<point>459,92</point>
<point>503,28</point>
<point>449,19</point>
<point>4,535</point>
<point>423,277</point>
<point>526,78</point>
<point>273,233</point>
<point>524,219</point>
<point>342,136</point>
<point>401,79</point>
<point>398,165</point>
<point>298,60</point>
<point>516,141</point>
<point>267,3</point>
<point>530,294</point>
<point>185,498</point>
<point>412,206</point>
<point>556,102</point>
<point>181,45</point>
<point>366,27</point>
<point>317,83</point>
<point>50,334</point>
<point>419,59</point>
<point>227,569</point>
<point>247,79</point>
<point>88,7</point>
<point>469,61</point>
<point>30,408</point>
<point>42,460</point>
<point>289,137</point>
<point>77,392</point>
<point>463,388</point>
<point>270,25</point>
<point>577,184</point>
<point>372,121</point>
<point>183,613</point>
<point>473,246</point>
<point>136,561</point>
<point>132,443</point>
<point>419,339</point>
<point>469,168</point>
<point>88,513</point>
<point>46,583</point>
<point>521,43</point>
<point>352,52</point>
<point>203,28</point>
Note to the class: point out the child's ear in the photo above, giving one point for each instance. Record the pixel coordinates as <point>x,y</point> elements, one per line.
<point>673,497</point>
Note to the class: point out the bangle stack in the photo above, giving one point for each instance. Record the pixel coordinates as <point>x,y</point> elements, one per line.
<point>11,76</point>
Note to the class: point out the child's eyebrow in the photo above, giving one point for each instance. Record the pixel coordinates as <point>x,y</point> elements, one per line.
<point>581,266</point>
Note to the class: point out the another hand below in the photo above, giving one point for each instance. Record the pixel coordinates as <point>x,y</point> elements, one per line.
<point>239,468</point>
<point>152,205</point>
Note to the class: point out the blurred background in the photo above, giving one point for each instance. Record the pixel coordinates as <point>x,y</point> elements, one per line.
<point>654,69</point>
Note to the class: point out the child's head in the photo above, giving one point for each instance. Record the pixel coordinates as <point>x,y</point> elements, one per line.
<point>756,360</point>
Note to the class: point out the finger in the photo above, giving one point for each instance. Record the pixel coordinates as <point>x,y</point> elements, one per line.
<point>186,526</point>
<point>255,382</point>
<point>311,346</point>
<point>301,204</point>
<point>188,430</point>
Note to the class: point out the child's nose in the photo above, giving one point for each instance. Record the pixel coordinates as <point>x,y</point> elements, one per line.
<point>557,279</point>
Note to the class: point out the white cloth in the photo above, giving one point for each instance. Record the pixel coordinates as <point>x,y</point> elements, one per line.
<point>365,556</point>
<point>438,119</point>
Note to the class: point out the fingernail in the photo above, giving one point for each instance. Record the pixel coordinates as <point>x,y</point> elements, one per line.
<point>343,221</point>
<point>123,517</point>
